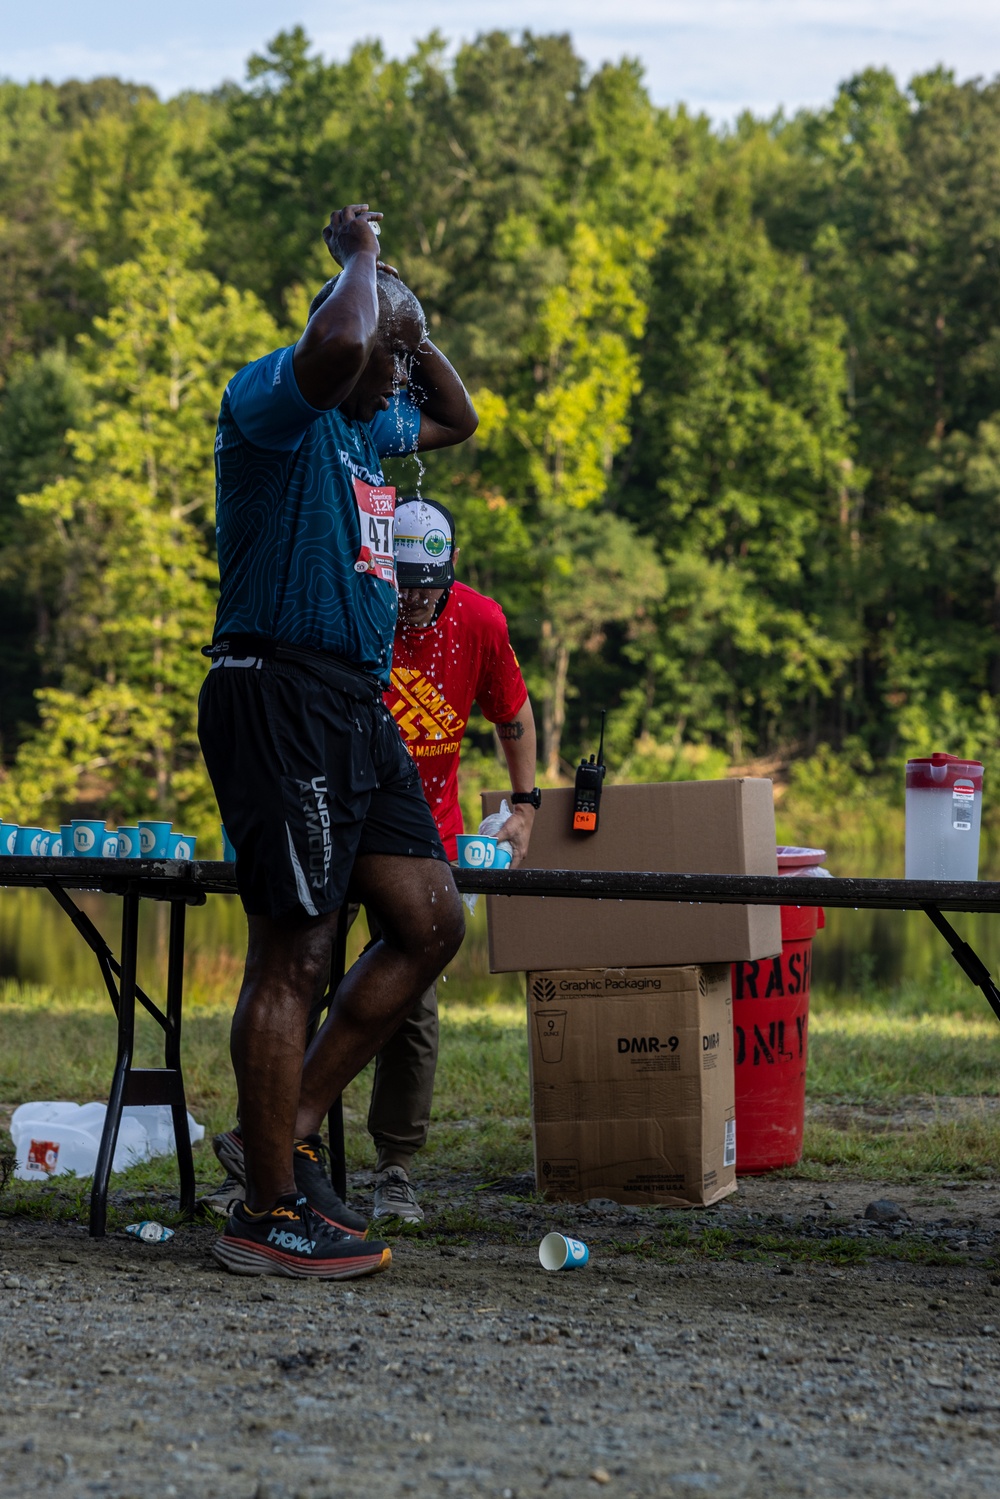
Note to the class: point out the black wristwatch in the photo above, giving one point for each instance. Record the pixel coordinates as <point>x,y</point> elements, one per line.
<point>531,798</point>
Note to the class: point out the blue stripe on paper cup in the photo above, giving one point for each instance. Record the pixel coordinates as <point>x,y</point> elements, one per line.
<point>560,1252</point>
<point>154,838</point>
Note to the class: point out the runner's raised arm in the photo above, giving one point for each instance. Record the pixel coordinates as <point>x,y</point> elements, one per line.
<point>340,336</point>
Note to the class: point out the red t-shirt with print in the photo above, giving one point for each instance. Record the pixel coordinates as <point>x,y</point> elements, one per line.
<point>465,657</point>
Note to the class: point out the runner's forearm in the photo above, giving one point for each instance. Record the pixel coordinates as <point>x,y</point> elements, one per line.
<point>518,741</point>
<point>340,336</point>
<point>447,415</point>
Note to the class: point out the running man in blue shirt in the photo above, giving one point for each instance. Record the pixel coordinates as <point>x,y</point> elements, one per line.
<point>315,788</point>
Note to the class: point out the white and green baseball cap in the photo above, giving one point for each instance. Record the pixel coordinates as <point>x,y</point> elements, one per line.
<point>424,544</point>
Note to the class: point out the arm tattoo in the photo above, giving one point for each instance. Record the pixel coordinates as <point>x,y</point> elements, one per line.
<point>512,730</point>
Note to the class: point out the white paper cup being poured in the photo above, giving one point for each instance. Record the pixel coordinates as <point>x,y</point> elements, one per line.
<point>490,827</point>
<point>482,850</point>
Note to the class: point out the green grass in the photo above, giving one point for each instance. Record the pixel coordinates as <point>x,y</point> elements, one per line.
<point>54,1046</point>
<point>872,1054</point>
<point>878,1053</point>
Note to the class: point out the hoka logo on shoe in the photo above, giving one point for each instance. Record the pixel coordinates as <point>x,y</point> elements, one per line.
<point>295,1242</point>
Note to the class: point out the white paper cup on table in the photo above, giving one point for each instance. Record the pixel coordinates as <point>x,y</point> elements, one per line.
<point>154,839</point>
<point>128,843</point>
<point>560,1252</point>
<point>476,851</point>
<point>490,827</point>
<point>88,838</point>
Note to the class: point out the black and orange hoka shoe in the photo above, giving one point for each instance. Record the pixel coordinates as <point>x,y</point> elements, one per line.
<point>311,1163</point>
<point>294,1241</point>
<point>312,1177</point>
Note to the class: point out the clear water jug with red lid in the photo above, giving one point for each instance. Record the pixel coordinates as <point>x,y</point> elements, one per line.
<point>944,808</point>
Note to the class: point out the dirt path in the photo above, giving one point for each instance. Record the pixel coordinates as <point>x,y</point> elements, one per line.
<point>466,1370</point>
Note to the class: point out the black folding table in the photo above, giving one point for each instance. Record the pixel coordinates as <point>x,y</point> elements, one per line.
<point>183,884</point>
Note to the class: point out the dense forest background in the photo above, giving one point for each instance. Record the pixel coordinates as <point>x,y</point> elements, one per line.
<point>737,477</point>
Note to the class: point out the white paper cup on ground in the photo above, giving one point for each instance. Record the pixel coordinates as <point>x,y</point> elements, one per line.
<point>560,1252</point>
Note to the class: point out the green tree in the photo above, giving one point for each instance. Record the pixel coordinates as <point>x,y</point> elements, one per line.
<point>891,193</point>
<point>598,572</point>
<point>129,533</point>
<point>32,256</point>
<point>741,474</point>
<point>44,397</point>
<point>558,440</point>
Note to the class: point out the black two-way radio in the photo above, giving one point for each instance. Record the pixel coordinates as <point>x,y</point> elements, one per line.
<point>587,791</point>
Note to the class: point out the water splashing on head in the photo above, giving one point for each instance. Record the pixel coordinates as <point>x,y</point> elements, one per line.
<point>402,328</point>
<point>397,305</point>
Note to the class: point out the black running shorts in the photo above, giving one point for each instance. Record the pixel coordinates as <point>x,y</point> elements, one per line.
<point>309,772</point>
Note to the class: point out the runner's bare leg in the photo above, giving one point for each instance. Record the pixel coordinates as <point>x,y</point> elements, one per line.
<point>422,925</point>
<point>287,970</point>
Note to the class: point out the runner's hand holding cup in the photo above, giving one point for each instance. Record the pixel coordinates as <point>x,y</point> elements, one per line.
<point>352,230</point>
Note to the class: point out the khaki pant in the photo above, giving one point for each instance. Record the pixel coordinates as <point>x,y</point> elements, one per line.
<point>399,1114</point>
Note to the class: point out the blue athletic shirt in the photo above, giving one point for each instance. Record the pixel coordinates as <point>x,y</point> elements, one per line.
<point>287,516</point>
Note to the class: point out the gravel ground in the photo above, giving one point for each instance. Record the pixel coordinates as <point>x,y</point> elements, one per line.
<point>132,1370</point>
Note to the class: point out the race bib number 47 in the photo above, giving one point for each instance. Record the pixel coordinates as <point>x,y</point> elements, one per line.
<point>376,508</point>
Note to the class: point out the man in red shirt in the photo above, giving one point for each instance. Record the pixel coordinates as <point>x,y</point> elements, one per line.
<point>451,649</point>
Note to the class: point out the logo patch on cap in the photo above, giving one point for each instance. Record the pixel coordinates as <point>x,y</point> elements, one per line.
<point>424,540</point>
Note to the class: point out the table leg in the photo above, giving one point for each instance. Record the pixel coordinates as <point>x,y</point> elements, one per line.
<point>335,1118</point>
<point>172,1055</point>
<point>967,959</point>
<point>123,1062</point>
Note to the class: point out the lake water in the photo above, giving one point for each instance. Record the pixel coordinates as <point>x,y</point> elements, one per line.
<point>39,945</point>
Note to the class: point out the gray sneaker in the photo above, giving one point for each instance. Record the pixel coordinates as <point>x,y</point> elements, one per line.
<point>220,1200</point>
<point>394,1196</point>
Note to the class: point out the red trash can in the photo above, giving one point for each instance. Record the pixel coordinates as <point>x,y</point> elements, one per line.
<point>770,1034</point>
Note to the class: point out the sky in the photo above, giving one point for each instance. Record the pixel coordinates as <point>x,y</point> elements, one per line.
<point>717,56</point>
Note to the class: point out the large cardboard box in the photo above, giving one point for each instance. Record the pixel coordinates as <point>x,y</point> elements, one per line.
<point>632,1088</point>
<point>687,827</point>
